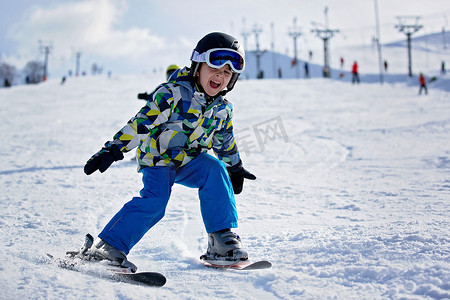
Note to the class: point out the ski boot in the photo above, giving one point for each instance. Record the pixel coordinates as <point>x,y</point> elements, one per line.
<point>82,253</point>
<point>100,251</point>
<point>224,247</point>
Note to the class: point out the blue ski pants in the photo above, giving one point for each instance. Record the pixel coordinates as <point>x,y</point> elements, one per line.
<point>205,172</point>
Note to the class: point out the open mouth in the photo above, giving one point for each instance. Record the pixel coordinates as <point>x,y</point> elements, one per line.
<point>214,84</point>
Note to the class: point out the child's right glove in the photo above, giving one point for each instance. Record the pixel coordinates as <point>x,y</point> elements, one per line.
<point>103,159</point>
<point>237,174</point>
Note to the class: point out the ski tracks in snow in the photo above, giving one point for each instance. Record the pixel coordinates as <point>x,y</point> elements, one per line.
<point>351,200</point>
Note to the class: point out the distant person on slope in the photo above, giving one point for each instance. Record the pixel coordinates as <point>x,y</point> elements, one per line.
<point>170,70</point>
<point>185,117</point>
<point>355,74</point>
<point>423,84</point>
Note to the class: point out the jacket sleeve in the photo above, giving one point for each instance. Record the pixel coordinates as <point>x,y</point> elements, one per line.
<point>224,145</point>
<point>156,112</point>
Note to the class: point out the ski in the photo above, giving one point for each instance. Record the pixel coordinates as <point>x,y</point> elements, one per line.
<point>240,265</point>
<point>110,271</point>
<point>142,278</point>
<point>87,263</point>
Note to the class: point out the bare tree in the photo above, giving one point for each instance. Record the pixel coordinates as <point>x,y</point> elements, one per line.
<point>34,71</point>
<point>7,74</point>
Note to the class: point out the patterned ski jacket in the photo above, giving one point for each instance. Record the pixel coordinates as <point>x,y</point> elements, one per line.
<point>176,125</point>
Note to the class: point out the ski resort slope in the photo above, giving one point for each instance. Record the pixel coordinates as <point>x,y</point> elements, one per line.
<point>351,200</point>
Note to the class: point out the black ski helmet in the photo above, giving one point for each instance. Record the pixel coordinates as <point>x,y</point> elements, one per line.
<point>217,40</point>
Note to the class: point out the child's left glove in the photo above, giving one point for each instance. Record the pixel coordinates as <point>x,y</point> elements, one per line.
<point>237,174</point>
<point>103,159</point>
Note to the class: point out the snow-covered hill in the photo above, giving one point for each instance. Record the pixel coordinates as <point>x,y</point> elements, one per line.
<point>351,201</point>
<point>428,52</point>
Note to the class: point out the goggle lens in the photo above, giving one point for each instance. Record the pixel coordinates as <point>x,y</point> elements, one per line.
<point>219,58</point>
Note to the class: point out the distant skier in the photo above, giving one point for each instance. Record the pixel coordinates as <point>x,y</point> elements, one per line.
<point>423,84</point>
<point>306,66</point>
<point>443,70</point>
<point>184,118</point>
<point>170,70</point>
<point>386,66</point>
<point>355,74</point>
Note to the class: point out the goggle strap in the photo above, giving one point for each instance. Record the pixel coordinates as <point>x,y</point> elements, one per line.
<point>198,57</point>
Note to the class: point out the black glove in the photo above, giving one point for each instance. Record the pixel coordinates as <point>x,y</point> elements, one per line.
<point>237,174</point>
<point>103,159</point>
<point>144,96</point>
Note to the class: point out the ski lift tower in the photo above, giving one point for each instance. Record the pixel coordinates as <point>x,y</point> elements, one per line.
<point>257,30</point>
<point>325,34</point>
<point>380,56</point>
<point>294,33</point>
<point>444,42</point>
<point>77,54</point>
<point>47,47</point>
<point>245,34</point>
<point>77,64</point>
<point>412,27</point>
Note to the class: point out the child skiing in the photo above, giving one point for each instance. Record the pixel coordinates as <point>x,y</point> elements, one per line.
<point>184,118</point>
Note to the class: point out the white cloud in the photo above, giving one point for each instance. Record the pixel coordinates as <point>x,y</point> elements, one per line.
<point>89,26</point>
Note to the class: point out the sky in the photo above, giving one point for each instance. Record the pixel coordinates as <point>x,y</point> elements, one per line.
<point>140,36</point>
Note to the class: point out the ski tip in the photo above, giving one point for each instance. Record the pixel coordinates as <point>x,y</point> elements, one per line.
<point>143,278</point>
<point>263,264</point>
<point>240,265</point>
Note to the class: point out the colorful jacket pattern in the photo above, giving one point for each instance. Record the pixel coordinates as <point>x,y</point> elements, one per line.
<point>176,125</point>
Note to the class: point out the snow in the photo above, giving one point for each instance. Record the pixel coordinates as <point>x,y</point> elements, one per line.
<point>351,200</point>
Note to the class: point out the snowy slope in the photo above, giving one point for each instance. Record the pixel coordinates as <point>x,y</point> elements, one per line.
<point>428,52</point>
<point>351,200</point>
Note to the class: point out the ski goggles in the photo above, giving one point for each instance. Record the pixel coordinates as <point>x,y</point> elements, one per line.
<point>218,57</point>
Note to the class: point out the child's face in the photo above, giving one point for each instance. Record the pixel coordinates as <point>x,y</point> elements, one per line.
<point>213,80</point>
